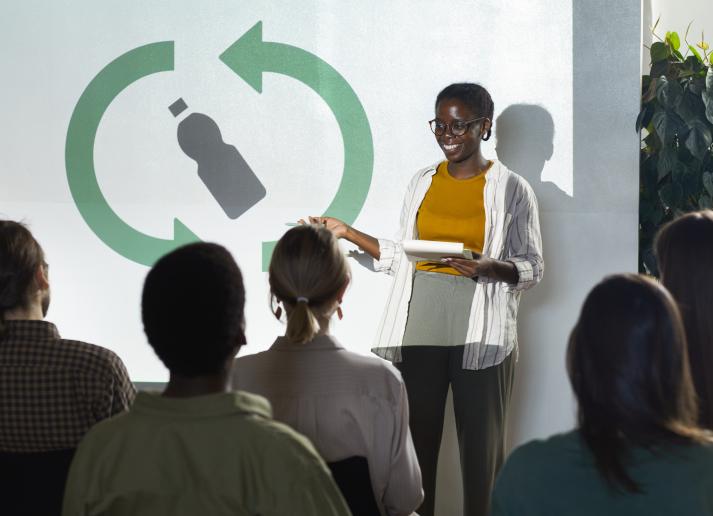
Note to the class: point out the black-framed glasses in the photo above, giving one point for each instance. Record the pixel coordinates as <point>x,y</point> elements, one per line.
<point>458,127</point>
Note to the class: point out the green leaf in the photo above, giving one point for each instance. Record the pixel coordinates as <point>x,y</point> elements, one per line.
<point>708,182</point>
<point>659,52</point>
<point>696,53</point>
<point>690,107</point>
<point>671,195</point>
<point>673,40</point>
<point>667,125</point>
<point>668,92</point>
<point>690,181</point>
<point>644,117</point>
<point>699,138</point>
<point>708,102</point>
<point>666,162</point>
<point>660,68</point>
<point>697,86</point>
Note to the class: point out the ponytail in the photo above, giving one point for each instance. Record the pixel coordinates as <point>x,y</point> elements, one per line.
<point>307,271</point>
<point>302,325</point>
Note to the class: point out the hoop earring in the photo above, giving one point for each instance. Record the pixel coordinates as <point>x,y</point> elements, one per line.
<point>340,314</point>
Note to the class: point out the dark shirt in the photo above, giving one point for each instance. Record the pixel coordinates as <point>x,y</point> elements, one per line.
<point>558,477</point>
<point>53,390</point>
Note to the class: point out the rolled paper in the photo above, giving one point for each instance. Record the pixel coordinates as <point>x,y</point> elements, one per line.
<point>430,250</point>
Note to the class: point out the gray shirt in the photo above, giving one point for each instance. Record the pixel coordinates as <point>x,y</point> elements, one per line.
<point>347,404</point>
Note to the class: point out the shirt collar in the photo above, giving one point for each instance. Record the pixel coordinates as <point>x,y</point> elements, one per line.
<point>491,173</point>
<point>320,342</point>
<point>25,329</point>
<point>224,403</point>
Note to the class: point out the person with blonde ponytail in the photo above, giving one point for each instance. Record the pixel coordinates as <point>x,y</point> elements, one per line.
<point>347,404</point>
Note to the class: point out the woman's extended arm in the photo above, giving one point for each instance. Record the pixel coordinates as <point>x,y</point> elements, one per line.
<point>342,230</point>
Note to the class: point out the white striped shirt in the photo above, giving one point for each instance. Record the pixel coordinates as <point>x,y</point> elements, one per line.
<point>512,233</point>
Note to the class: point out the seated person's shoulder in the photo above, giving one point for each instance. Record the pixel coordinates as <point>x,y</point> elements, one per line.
<point>376,374</point>
<point>530,459</point>
<point>91,355</point>
<point>279,447</point>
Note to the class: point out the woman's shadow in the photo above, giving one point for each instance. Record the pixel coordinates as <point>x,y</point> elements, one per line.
<point>525,143</point>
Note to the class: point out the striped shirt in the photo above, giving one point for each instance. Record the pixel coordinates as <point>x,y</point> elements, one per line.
<point>52,391</point>
<point>512,233</point>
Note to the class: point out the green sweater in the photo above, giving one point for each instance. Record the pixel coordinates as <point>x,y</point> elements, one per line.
<point>558,477</point>
<point>216,455</point>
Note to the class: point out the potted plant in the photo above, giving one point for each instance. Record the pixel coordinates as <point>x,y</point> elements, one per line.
<point>676,127</point>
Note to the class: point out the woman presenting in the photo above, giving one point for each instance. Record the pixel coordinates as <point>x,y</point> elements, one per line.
<point>453,322</point>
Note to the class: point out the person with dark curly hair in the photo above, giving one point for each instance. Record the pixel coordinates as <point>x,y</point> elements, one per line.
<point>452,323</point>
<point>199,447</point>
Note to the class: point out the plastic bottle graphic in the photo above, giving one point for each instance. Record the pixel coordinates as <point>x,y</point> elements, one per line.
<point>221,167</point>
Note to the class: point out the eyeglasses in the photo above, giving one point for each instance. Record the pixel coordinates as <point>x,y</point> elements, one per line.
<point>458,127</point>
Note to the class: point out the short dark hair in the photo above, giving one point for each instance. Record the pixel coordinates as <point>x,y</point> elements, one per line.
<point>20,257</point>
<point>628,366</point>
<point>684,251</point>
<point>472,95</point>
<point>193,309</point>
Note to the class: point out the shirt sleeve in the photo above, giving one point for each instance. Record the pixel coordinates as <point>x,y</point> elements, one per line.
<point>524,242</point>
<point>390,251</point>
<point>116,393</point>
<point>124,391</point>
<point>403,493</point>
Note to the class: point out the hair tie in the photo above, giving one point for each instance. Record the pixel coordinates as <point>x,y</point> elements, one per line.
<point>301,299</point>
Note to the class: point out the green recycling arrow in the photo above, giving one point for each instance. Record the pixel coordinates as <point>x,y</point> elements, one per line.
<point>79,155</point>
<point>250,56</point>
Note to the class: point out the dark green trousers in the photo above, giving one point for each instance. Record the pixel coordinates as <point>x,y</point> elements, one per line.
<point>480,401</point>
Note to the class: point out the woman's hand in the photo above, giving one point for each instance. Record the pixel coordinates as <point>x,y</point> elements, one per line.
<point>337,227</point>
<point>480,265</point>
<point>343,230</point>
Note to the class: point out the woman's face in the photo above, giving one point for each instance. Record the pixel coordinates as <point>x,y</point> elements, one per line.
<point>458,148</point>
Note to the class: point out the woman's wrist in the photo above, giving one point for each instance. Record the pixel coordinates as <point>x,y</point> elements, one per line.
<point>349,234</point>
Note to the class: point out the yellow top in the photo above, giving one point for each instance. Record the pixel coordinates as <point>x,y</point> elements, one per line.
<point>452,211</point>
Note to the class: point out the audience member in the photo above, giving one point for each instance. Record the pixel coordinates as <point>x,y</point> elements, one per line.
<point>51,390</point>
<point>198,448</point>
<point>348,404</point>
<point>684,249</point>
<point>637,449</point>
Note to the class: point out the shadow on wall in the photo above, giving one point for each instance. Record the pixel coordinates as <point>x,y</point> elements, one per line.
<point>524,143</point>
<point>524,135</point>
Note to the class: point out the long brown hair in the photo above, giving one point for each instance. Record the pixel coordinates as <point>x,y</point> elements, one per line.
<point>20,258</point>
<point>628,366</point>
<point>684,250</point>
<point>307,271</point>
